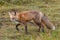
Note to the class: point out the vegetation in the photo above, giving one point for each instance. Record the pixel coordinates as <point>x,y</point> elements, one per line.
<point>49,7</point>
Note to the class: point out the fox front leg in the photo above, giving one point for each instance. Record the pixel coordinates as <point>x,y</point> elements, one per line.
<point>17,27</point>
<point>25,25</point>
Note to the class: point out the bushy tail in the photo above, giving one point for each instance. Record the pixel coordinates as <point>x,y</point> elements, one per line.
<point>48,23</point>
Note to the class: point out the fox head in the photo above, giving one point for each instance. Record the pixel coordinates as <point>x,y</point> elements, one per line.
<point>12,15</point>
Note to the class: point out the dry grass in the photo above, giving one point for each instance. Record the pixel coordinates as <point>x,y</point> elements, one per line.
<point>8,31</point>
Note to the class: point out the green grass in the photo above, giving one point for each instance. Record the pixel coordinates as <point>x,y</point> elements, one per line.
<point>9,32</point>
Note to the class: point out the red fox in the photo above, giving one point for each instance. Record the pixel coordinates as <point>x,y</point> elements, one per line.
<point>26,16</point>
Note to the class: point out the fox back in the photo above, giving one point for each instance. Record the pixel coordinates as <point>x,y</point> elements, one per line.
<point>26,16</point>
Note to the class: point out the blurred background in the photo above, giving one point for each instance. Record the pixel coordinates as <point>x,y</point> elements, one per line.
<point>49,7</point>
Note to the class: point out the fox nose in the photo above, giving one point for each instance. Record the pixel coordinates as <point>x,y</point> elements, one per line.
<point>12,19</point>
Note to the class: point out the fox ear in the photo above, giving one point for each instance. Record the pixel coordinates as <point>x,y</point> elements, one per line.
<point>9,13</point>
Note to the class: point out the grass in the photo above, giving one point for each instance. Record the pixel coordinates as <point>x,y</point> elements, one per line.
<point>7,28</point>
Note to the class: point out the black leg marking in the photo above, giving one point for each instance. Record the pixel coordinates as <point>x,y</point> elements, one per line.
<point>26,29</point>
<point>17,27</point>
<point>25,25</point>
<point>42,29</point>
